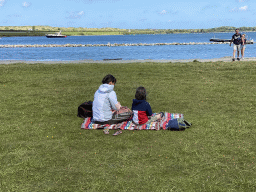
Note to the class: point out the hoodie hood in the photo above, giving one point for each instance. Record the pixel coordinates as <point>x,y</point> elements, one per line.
<point>106,88</point>
<point>137,102</point>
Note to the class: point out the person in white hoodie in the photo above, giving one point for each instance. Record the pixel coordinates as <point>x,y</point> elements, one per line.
<point>105,101</point>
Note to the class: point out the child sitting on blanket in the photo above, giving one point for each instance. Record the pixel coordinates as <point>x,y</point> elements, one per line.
<point>142,112</point>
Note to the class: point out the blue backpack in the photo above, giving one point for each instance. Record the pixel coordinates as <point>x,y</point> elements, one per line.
<point>178,124</point>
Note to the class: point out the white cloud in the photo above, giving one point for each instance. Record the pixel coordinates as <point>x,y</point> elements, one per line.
<point>2,2</point>
<point>167,12</point>
<point>75,15</point>
<point>244,8</point>
<point>81,13</point>
<point>26,4</point>
<point>163,12</point>
<point>235,9</point>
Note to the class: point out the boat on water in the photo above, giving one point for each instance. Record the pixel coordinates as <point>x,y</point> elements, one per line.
<point>248,41</point>
<point>220,40</point>
<point>56,35</point>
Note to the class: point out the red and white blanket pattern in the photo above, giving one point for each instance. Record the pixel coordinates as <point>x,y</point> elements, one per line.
<point>129,125</point>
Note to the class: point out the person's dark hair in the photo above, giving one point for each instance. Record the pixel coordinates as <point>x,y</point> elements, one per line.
<point>109,78</point>
<point>237,29</point>
<point>141,93</point>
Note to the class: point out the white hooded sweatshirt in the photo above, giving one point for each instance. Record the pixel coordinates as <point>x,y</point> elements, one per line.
<point>104,100</point>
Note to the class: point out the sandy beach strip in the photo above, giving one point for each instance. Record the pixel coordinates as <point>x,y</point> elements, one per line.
<point>223,59</point>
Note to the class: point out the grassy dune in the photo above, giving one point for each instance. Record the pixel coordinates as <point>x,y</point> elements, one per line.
<point>44,149</point>
<point>42,30</point>
<point>71,31</point>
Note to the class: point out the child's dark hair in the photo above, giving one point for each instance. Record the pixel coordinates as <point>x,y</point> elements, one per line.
<point>141,93</point>
<point>109,78</point>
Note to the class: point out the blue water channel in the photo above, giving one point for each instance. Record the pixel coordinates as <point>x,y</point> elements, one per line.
<point>126,53</point>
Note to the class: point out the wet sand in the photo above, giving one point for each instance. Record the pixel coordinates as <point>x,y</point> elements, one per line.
<point>224,59</point>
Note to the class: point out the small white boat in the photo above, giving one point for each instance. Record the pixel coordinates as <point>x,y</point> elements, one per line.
<point>56,35</point>
<point>248,41</point>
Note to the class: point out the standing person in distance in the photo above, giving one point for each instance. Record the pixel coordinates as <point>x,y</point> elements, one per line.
<point>236,40</point>
<point>243,43</point>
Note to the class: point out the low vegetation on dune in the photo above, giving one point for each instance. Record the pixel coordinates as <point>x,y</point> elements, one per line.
<point>42,30</point>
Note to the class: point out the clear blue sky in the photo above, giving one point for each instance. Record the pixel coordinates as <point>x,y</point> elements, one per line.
<point>129,14</point>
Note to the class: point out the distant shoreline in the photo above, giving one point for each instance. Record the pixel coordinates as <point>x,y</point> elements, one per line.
<point>68,35</point>
<point>72,31</point>
<point>223,59</point>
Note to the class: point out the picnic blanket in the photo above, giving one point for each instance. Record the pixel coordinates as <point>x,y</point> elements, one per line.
<point>129,125</point>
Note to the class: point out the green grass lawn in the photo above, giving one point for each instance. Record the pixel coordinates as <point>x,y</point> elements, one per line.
<point>43,147</point>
